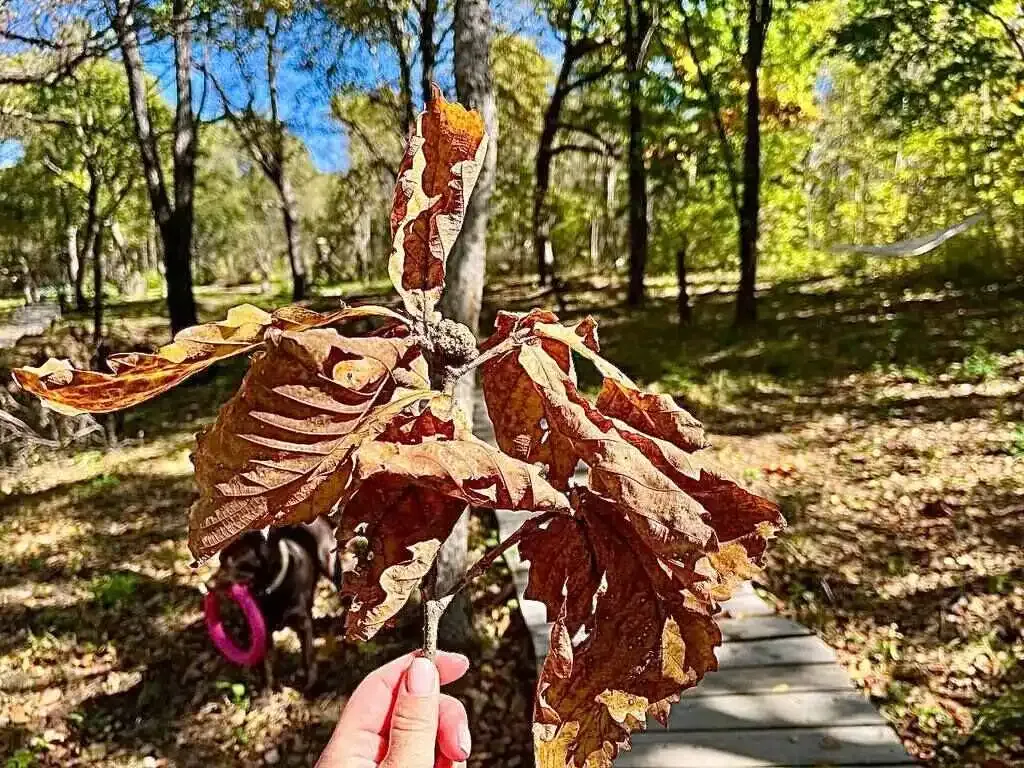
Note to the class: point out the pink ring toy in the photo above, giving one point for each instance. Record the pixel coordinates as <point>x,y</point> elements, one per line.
<point>246,657</point>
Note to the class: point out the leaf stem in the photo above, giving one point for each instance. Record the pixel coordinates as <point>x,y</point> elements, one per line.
<point>434,607</point>
<point>485,562</point>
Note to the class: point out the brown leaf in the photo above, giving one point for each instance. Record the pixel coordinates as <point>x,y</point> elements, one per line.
<point>280,450</point>
<point>436,178</point>
<point>603,687</point>
<point>391,535</point>
<point>515,408</point>
<point>468,470</point>
<point>655,415</point>
<point>658,539</point>
<point>406,499</point>
<point>140,377</point>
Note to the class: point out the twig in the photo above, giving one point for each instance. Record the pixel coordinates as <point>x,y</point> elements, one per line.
<point>488,559</point>
<point>434,607</point>
<point>432,613</point>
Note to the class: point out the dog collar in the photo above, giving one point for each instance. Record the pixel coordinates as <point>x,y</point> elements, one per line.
<point>285,562</point>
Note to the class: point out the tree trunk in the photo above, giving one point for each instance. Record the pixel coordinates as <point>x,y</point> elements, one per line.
<point>362,242</point>
<point>758,19</point>
<point>467,266</point>
<point>542,169</point>
<point>296,261</point>
<point>638,25</point>
<point>428,47</point>
<point>93,225</point>
<point>74,266</point>
<point>685,313</point>
<point>174,221</point>
<point>177,241</point>
<point>97,284</point>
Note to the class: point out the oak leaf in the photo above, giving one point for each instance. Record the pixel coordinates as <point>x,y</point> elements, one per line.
<point>140,377</point>
<point>656,541</point>
<point>408,498</point>
<point>435,180</point>
<point>281,449</point>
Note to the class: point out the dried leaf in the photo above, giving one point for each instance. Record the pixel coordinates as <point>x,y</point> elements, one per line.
<point>436,178</point>
<point>139,377</point>
<point>657,539</point>
<point>392,535</point>
<point>408,495</point>
<point>616,677</point>
<point>468,470</point>
<point>516,410</point>
<point>656,415</point>
<point>280,450</point>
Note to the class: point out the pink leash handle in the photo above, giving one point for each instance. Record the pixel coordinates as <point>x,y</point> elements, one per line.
<point>246,657</point>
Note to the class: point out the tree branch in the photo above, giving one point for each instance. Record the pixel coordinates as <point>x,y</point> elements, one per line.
<point>434,607</point>
<point>517,339</point>
<point>582,148</point>
<point>1011,33</point>
<point>715,105</point>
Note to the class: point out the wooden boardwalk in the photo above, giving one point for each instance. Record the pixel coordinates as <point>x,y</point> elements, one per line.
<point>779,698</point>
<point>31,320</point>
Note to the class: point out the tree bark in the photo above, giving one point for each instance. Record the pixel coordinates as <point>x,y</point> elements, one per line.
<point>637,28</point>
<point>296,261</point>
<point>467,267</point>
<point>428,46</point>
<point>758,19</point>
<point>174,220</point>
<point>97,284</point>
<point>542,169</point>
<point>685,313</point>
<point>92,231</point>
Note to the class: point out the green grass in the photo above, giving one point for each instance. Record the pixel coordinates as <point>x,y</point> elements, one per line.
<point>114,589</point>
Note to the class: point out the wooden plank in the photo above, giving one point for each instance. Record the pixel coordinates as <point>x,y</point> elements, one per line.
<point>772,710</point>
<point>785,650</point>
<point>760,628</point>
<point>774,679</point>
<point>872,745</point>
<point>746,603</point>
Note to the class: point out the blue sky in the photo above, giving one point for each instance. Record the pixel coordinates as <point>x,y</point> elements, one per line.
<point>306,95</point>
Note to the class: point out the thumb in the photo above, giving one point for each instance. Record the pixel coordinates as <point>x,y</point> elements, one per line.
<point>413,736</point>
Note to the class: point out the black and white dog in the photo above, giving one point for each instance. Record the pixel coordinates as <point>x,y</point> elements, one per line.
<point>282,569</point>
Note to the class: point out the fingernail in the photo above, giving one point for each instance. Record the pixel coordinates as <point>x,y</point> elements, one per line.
<point>422,678</point>
<point>465,740</point>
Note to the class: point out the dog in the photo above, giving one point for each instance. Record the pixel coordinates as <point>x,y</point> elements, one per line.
<point>282,569</point>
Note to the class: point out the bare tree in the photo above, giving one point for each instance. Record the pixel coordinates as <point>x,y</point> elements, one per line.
<point>265,134</point>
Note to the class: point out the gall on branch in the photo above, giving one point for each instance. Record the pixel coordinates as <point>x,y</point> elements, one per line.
<point>350,414</point>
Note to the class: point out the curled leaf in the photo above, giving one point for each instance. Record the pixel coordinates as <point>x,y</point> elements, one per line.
<point>657,539</point>
<point>280,450</point>
<point>139,377</point>
<point>436,178</point>
<point>638,640</point>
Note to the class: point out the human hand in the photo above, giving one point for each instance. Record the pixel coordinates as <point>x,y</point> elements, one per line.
<point>398,718</point>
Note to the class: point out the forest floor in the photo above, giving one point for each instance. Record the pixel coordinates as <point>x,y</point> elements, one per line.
<point>885,414</point>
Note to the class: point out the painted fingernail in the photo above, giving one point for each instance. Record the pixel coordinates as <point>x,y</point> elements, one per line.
<point>465,740</point>
<point>422,678</point>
